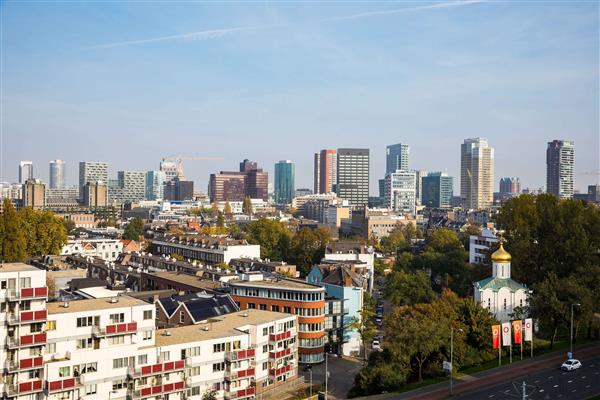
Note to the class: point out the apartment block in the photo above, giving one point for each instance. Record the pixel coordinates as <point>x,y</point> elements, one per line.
<point>560,161</point>
<point>34,194</point>
<point>353,176</point>
<point>92,172</point>
<point>206,249</point>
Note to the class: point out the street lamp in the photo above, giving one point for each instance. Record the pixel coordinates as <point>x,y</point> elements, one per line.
<point>572,305</point>
<point>451,356</point>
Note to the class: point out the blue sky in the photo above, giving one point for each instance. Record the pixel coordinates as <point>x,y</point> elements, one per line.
<point>130,82</point>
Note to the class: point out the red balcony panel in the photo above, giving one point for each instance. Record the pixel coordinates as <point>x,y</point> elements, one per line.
<point>56,385</point>
<point>36,385</point>
<point>169,365</point>
<point>41,291</point>
<point>111,329</point>
<point>157,368</point>
<point>146,370</point>
<point>69,383</point>
<point>27,292</point>
<point>179,385</point>
<point>38,361</point>
<point>41,314</point>
<point>156,389</point>
<point>122,328</point>
<point>168,387</point>
<point>27,363</point>
<point>27,339</point>
<point>251,352</point>
<point>27,315</point>
<point>132,326</point>
<point>179,364</point>
<point>40,337</point>
<point>146,391</point>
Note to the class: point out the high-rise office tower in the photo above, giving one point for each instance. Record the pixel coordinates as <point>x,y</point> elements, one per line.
<point>179,190</point>
<point>477,173</point>
<point>353,176</point>
<point>155,185</point>
<point>34,194</point>
<point>396,157</point>
<point>95,194</point>
<point>133,184</point>
<point>327,171</point>
<point>419,175</point>
<point>247,165</point>
<point>25,171</point>
<point>92,172</point>
<point>170,170</point>
<point>317,173</point>
<point>227,186</point>
<point>257,184</point>
<point>560,158</point>
<point>510,186</point>
<point>437,190</point>
<point>284,182</point>
<point>57,175</point>
<point>400,191</point>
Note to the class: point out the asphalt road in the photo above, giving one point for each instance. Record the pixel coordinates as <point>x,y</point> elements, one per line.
<point>548,384</point>
<point>341,375</point>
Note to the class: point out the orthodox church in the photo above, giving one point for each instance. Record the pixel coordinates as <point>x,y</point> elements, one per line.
<point>499,293</point>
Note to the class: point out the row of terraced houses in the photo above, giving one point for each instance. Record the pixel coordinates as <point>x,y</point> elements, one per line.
<point>98,349</point>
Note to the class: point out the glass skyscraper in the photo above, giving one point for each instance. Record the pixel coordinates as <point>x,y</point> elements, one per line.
<point>437,190</point>
<point>396,157</point>
<point>284,182</point>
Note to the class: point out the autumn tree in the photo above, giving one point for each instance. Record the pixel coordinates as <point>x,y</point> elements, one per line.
<point>134,229</point>
<point>14,243</point>
<point>408,288</point>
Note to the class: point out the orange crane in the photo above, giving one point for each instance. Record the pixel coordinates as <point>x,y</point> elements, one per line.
<point>180,157</point>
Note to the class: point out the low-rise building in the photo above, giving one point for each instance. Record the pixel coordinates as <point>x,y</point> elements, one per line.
<point>206,249</point>
<point>190,309</point>
<point>106,249</point>
<point>480,245</point>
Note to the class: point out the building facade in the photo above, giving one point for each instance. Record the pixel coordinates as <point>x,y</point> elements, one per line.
<point>92,172</point>
<point>284,182</point>
<point>34,194</point>
<point>353,176</point>
<point>206,249</point>
<point>155,185</point>
<point>400,191</point>
<point>477,173</point>
<point>438,190</point>
<point>25,171</point>
<point>325,171</point>
<point>560,159</point>
<point>396,157</point>
<point>306,301</point>
<point>95,195</point>
<point>170,170</point>
<point>510,186</point>
<point>178,189</point>
<point>57,174</point>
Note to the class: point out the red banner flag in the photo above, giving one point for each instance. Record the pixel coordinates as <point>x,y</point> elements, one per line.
<point>517,331</point>
<point>496,336</point>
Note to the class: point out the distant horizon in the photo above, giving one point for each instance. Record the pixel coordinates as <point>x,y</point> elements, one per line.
<point>130,83</point>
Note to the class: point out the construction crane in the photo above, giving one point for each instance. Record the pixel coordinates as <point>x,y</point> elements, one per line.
<point>180,157</point>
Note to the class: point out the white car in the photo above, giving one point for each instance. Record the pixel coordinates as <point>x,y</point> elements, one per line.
<point>376,345</point>
<point>570,365</point>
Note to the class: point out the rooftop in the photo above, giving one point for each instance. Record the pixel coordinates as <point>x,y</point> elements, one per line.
<point>17,267</point>
<point>190,280</point>
<point>496,284</point>
<point>223,326</point>
<point>92,305</point>
<point>276,282</point>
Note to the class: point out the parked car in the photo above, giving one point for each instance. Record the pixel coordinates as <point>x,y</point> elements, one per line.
<point>378,321</point>
<point>376,345</point>
<point>570,365</point>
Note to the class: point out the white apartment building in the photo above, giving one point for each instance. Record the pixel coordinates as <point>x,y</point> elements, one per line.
<point>206,249</point>
<point>98,349</point>
<point>400,191</point>
<point>106,249</point>
<point>480,245</point>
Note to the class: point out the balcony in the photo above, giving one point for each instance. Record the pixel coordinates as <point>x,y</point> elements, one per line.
<point>28,293</point>
<point>115,329</point>
<point>281,353</point>
<point>280,336</point>
<point>60,385</point>
<point>243,374</point>
<point>156,369</point>
<point>35,339</point>
<point>240,394</point>
<point>25,364</point>
<point>28,317</point>
<point>153,391</point>
<point>24,388</point>
<point>275,372</point>
<point>238,355</point>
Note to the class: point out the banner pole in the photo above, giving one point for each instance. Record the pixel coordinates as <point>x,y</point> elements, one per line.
<point>499,355</point>
<point>531,345</point>
<point>510,349</point>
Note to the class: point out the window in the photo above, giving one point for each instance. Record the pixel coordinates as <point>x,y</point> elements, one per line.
<point>265,331</point>
<point>218,367</point>
<point>218,347</point>
<point>265,348</point>
<point>181,317</point>
<point>64,372</point>
<point>262,306</point>
<point>191,352</point>
<point>85,368</point>
<point>143,359</point>
<point>50,348</point>
<point>148,314</point>
<point>117,318</point>
<point>88,321</point>
<point>195,371</point>
<point>50,325</point>
<point>287,310</point>
<point>116,340</point>
<point>25,305</point>
<point>165,356</point>
<point>265,366</point>
<point>84,343</point>
<point>251,306</point>
<point>147,335</point>
<point>195,391</point>
<point>505,304</point>
<point>25,282</point>
<point>90,389</point>
<point>120,362</point>
<point>119,384</point>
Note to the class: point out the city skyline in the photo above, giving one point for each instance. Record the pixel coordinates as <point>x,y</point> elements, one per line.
<point>351,75</point>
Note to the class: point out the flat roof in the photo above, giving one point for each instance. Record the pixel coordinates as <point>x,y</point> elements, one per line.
<point>18,267</point>
<point>57,307</point>
<point>190,280</point>
<point>220,327</point>
<point>278,283</point>
<point>98,292</point>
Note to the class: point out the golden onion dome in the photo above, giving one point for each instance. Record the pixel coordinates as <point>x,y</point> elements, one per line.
<point>501,255</point>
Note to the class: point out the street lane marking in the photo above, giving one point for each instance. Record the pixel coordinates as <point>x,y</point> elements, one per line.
<point>555,386</point>
<point>549,377</point>
<point>538,381</point>
<point>570,381</point>
<point>491,395</point>
<point>588,386</point>
<point>583,377</point>
<point>573,391</point>
<point>541,390</point>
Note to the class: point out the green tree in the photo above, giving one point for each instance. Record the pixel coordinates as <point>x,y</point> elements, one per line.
<point>443,240</point>
<point>386,372</point>
<point>134,229</point>
<point>220,220</point>
<point>409,288</point>
<point>395,241</point>
<point>308,248</point>
<point>177,257</point>
<point>14,243</point>
<point>272,236</point>
<point>227,210</point>
<point>69,225</point>
<point>45,233</point>
<point>364,326</point>
<point>223,266</point>
<point>247,206</point>
<point>210,395</point>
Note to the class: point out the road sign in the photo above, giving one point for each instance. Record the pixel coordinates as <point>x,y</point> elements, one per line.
<point>447,366</point>
<point>569,355</point>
